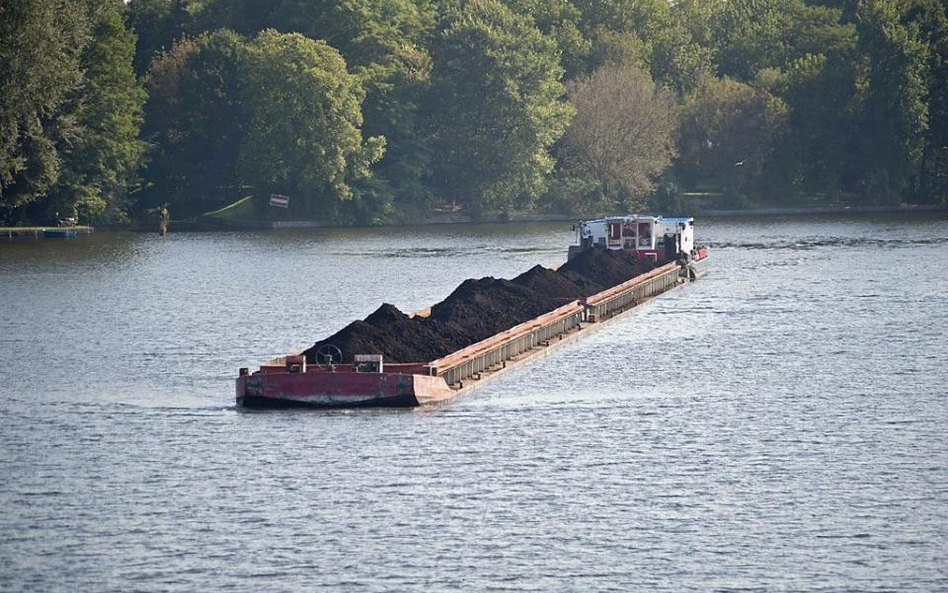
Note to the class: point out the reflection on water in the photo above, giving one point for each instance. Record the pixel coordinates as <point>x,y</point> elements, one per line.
<point>778,425</point>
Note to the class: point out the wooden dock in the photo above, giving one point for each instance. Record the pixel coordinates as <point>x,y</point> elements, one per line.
<point>41,232</point>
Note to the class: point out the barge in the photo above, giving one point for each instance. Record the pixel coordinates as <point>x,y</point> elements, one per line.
<point>368,380</point>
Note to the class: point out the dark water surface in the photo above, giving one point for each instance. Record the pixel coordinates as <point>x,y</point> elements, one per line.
<point>779,426</point>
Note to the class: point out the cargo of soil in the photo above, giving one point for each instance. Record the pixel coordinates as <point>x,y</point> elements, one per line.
<point>480,308</point>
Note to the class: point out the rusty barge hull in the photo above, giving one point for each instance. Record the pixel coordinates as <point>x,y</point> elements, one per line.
<point>291,383</point>
<point>272,387</point>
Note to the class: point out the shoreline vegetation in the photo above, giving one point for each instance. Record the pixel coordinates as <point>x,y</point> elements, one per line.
<point>388,112</point>
<point>207,225</point>
<point>239,215</point>
<point>203,225</point>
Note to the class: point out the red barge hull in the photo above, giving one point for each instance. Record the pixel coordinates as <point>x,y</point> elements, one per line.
<point>340,386</point>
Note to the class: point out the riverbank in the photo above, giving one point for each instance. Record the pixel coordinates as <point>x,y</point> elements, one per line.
<point>439,218</point>
<point>210,224</point>
<point>207,223</point>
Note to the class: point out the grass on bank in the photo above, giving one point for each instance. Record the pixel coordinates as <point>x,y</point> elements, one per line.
<point>245,210</point>
<point>242,209</point>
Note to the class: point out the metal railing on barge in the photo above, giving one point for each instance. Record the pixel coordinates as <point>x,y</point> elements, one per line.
<point>614,300</point>
<point>497,350</point>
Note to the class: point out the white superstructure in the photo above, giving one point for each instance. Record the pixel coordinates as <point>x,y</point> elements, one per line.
<point>647,236</point>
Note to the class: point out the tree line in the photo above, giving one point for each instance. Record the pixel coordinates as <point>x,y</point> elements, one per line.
<point>369,111</point>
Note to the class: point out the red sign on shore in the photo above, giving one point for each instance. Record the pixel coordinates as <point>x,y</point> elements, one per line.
<point>279,201</point>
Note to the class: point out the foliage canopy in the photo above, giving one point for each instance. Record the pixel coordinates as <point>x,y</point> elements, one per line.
<point>378,110</point>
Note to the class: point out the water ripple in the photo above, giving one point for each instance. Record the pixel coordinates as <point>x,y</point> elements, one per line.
<point>777,426</point>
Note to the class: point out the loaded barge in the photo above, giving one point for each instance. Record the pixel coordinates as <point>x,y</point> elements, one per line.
<point>368,380</point>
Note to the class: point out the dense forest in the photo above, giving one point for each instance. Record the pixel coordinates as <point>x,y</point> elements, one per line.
<point>373,111</point>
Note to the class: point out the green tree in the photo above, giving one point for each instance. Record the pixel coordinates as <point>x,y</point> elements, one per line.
<point>648,19</point>
<point>392,110</point>
<point>666,38</point>
<point>102,160</point>
<point>384,42</point>
<point>157,24</point>
<point>303,135</point>
<point>610,48</point>
<point>387,48</point>
<point>728,133</point>
<point>195,124</point>
<point>690,49</point>
<point>497,106</point>
<point>753,35</point>
<point>846,7</point>
<point>560,20</point>
<point>894,112</point>
<point>245,17</point>
<point>41,43</point>
<point>817,154</point>
<point>701,18</point>
<point>932,19</point>
<point>623,135</point>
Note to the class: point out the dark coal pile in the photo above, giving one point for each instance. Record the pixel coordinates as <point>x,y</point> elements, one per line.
<point>605,268</point>
<point>480,308</point>
<point>553,284</point>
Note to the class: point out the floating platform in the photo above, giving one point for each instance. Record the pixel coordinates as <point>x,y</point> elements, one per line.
<point>54,232</point>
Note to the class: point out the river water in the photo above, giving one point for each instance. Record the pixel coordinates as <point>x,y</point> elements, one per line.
<point>779,425</point>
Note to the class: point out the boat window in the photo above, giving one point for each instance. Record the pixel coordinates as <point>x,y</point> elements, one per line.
<point>615,230</point>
